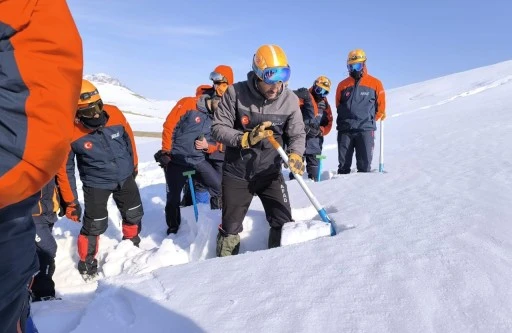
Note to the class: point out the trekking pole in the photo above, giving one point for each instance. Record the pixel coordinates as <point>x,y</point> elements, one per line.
<point>320,158</point>
<point>314,201</point>
<point>189,174</point>
<point>381,156</point>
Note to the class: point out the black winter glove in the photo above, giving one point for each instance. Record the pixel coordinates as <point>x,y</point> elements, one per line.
<point>303,93</point>
<point>162,158</point>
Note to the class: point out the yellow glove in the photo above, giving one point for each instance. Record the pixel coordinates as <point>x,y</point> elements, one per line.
<point>258,133</point>
<point>296,164</point>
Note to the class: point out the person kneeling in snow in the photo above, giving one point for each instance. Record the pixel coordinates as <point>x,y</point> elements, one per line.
<point>106,156</point>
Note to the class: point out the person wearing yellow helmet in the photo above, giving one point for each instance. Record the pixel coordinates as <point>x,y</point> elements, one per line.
<point>317,116</point>
<point>360,102</point>
<point>106,157</point>
<point>249,112</point>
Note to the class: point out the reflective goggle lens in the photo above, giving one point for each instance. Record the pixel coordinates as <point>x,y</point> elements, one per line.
<point>357,67</point>
<point>273,75</point>
<point>217,77</point>
<point>90,110</point>
<point>320,91</point>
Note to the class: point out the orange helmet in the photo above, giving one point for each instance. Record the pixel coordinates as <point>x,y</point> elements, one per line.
<point>270,64</point>
<point>323,82</point>
<point>89,101</point>
<point>222,73</point>
<point>356,56</point>
<point>88,94</point>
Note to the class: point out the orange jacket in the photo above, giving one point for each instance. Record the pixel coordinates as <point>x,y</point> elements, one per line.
<point>42,75</point>
<point>326,119</point>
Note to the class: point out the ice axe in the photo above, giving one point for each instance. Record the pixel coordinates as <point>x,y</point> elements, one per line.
<point>314,201</point>
<point>189,174</point>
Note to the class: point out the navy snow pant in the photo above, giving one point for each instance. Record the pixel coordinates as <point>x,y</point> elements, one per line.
<point>363,143</point>
<point>18,263</point>
<point>127,199</point>
<point>46,247</point>
<point>175,180</point>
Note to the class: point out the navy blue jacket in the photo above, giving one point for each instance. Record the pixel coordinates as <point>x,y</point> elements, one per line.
<point>105,157</point>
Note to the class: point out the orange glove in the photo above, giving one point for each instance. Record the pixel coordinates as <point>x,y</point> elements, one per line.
<point>74,212</point>
<point>296,164</point>
<point>380,116</point>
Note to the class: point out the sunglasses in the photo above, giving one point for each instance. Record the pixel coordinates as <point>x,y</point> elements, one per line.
<point>320,91</point>
<point>217,77</point>
<point>357,67</point>
<point>273,75</point>
<point>90,110</point>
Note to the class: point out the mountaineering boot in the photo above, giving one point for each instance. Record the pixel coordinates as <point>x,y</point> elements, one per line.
<point>227,245</point>
<point>274,237</point>
<point>88,270</point>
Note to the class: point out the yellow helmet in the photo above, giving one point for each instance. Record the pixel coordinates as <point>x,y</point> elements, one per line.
<point>323,82</point>
<point>88,94</point>
<point>356,56</point>
<point>270,64</point>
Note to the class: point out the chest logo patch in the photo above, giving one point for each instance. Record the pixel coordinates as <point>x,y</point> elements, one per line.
<point>115,135</point>
<point>88,145</point>
<point>245,120</point>
<point>198,120</point>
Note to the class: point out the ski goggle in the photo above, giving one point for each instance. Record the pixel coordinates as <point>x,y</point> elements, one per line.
<point>320,91</point>
<point>273,75</point>
<point>88,95</point>
<point>90,110</point>
<point>217,77</point>
<point>357,67</point>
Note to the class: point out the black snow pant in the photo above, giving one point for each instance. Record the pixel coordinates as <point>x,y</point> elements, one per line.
<point>46,247</point>
<point>175,180</point>
<point>127,198</point>
<point>215,202</point>
<point>18,263</point>
<point>363,143</point>
<point>237,195</point>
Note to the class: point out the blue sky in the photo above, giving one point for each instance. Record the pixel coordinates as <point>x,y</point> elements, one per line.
<point>163,50</point>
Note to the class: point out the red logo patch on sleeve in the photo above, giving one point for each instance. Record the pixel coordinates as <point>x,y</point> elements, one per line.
<point>88,145</point>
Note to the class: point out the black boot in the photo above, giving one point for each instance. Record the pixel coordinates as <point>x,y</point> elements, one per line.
<point>43,286</point>
<point>274,237</point>
<point>216,203</point>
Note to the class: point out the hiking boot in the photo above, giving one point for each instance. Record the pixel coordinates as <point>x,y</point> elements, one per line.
<point>88,270</point>
<point>227,245</point>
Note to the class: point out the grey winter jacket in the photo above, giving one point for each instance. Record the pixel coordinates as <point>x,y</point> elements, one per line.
<point>241,109</point>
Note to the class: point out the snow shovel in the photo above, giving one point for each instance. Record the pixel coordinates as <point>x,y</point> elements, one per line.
<point>314,201</point>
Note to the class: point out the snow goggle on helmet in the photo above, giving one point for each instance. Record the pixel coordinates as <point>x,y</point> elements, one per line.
<point>218,78</point>
<point>90,110</point>
<point>320,91</point>
<point>273,75</point>
<point>355,67</point>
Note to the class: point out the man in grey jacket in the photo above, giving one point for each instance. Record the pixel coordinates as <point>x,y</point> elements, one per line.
<point>249,112</point>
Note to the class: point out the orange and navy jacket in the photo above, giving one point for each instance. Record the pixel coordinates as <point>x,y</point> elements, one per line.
<point>359,103</point>
<point>105,157</point>
<point>48,204</point>
<point>40,76</point>
<point>316,114</point>
<point>188,120</point>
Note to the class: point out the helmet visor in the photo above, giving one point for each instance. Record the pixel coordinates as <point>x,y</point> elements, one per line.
<point>320,91</point>
<point>273,75</point>
<point>90,110</point>
<point>217,77</point>
<point>356,67</point>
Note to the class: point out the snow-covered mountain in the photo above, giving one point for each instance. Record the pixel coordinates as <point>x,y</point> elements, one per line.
<point>142,113</point>
<point>429,246</point>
